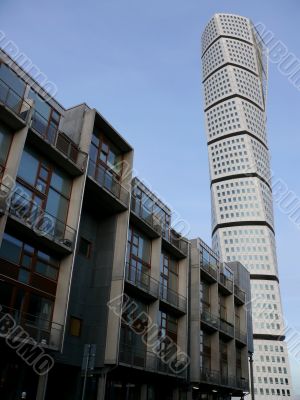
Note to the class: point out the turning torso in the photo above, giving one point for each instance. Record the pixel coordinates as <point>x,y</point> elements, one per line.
<point>234,62</point>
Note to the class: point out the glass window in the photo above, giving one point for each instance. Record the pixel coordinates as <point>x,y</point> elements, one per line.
<point>12,80</point>
<point>5,141</point>
<point>11,249</point>
<point>28,167</point>
<point>85,247</point>
<point>75,326</point>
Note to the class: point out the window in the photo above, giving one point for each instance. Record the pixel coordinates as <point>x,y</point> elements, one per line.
<point>5,141</point>
<point>85,247</point>
<point>168,274</point>
<point>168,330</point>
<point>30,260</point>
<point>138,257</point>
<point>42,187</point>
<point>75,326</point>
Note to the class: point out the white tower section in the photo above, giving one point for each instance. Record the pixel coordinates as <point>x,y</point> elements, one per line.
<point>234,78</point>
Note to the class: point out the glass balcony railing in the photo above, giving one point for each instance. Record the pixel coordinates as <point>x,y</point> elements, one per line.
<point>240,294</point>
<point>147,216</point>
<point>141,280</point>
<point>13,101</point>
<point>176,240</point>
<point>240,335</point>
<point>19,205</point>
<point>140,358</point>
<point>212,271</point>
<point>172,298</point>
<point>173,367</point>
<point>107,180</point>
<point>43,331</point>
<point>130,356</point>
<point>210,319</point>
<point>226,327</point>
<point>212,377</point>
<point>226,281</point>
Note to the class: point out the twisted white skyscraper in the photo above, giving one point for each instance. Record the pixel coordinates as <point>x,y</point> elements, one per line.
<point>234,77</point>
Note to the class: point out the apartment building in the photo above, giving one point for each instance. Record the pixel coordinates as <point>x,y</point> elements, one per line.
<point>92,274</point>
<point>220,330</point>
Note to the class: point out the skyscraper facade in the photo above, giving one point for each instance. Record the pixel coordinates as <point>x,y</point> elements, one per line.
<point>234,61</point>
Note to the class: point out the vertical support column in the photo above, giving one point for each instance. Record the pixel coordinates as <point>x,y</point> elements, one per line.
<point>42,387</point>
<point>101,386</point>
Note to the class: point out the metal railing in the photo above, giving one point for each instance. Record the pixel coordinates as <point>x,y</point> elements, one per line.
<point>173,366</point>
<point>50,133</point>
<point>129,356</point>
<point>240,294</point>
<point>225,281</point>
<point>43,331</point>
<point>226,327</point>
<point>173,298</point>
<point>241,335</point>
<point>216,378</point>
<point>14,101</point>
<point>210,319</point>
<point>149,361</point>
<point>210,270</point>
<point>106,179</point>
<point>141,280</point>
<point>19,205</point>
<point>147,216</point>
<point>176,240</point>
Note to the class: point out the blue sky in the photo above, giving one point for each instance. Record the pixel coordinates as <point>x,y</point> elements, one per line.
<point>138,62</point>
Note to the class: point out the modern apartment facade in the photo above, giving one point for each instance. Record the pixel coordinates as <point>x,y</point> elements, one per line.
<point>93,276</point>
<point>219,355</point>
<point>234,62</point>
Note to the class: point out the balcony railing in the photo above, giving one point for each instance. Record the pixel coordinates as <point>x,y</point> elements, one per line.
<point>210,319</point>
<point>225,281</point>
<point>147,216</point>
<point>215,378</point>
<point>43,331</point>
<point>19,205</point>
<point>240,294</point>
<point>141,358</point>
<point>240,335</point>
<point>129,356</point>
<point>210,270</point>
<point>50,133</point>
<point>172,298</point>
<point>141,280</point>
<point>13,101</point>
<point>226,327</point>
<point>106,179</point>
<point>176,240</point>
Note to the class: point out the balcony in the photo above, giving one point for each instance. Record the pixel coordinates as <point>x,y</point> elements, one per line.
<point>151,362</point>
<point>47,333</point>
<point>14,109</point>
<point>172,299</point>
<point>112,193</point>
<point>210,272</point>
<point>30,219</point>
<point>240,336</point>
<point>131,357</point>
<point>211,320</point>
<point>226,283</point>
<point>226,328</point>
<point>175,244</point>
<point>240,295</point>
<point>145,219</point>
<point>172,367</point>
<point>62,149</point>
<point>214,378</point>
<point>141,283</point>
